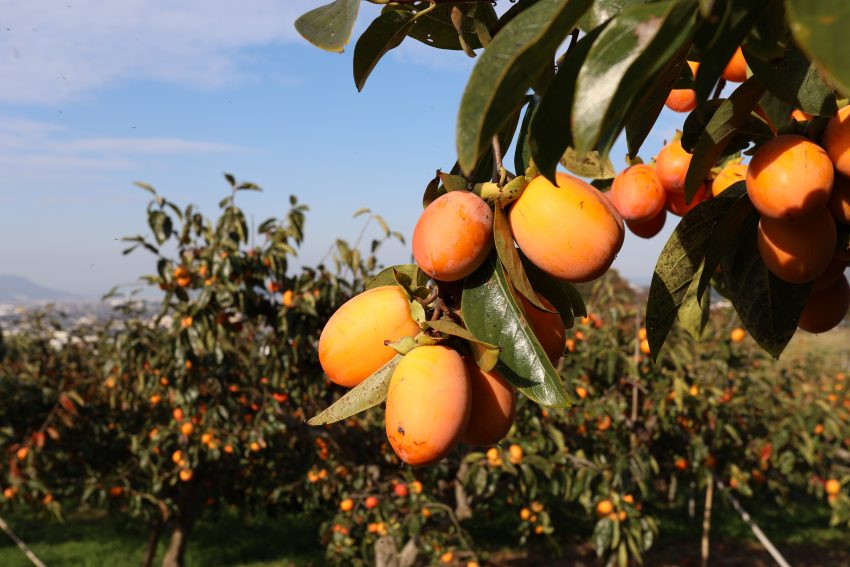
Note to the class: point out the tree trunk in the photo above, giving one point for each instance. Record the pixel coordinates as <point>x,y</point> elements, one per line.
<point>184,519</point>
<point>153,543</point>
<point>706,522</point>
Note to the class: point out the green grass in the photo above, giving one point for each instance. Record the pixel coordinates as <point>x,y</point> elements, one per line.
<point>89,540</point>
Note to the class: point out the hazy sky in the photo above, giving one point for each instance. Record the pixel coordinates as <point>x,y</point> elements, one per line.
<point>96,95</point>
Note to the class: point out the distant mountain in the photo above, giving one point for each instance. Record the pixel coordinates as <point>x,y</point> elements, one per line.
<point>18,290</point>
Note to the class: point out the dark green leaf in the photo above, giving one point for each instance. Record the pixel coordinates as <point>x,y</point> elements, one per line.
<point>560,293</point>
<point>602,11</point>
<point>678,264</point>
<point>433,191</point>
<point>436,30</point>
<point>522,151</point>
<point>769,37</point>
<point>753,128</point>
<point>368,393</point>
<point>694,311</point>
<point>509,257</point>
<point>491,313</point>
<point>794,80</point>
<point>386,32</point>
<point>549,131</point>
<point>639,124</point>
<point>329,27</point>
<point>720,130</point>
<point>507,68</point>
<point>821,27</point>
<point>769,307</point>
<point>387,276</point>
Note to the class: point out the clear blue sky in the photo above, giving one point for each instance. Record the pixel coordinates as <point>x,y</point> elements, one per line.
<point>97,95</point>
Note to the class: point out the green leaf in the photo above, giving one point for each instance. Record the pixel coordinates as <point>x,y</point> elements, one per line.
<point>550,131</point>
<point>329,27</point>
<point>769,307</point>
<point>560,293</point>
<point>433,191</point>
<point>720,130</point>
<point>627,55</point>
<point>386,32</point>
<point>589,164</point>
<point>639,124</point>
<point>820,27</point>
<point>369,393</point>
<point>436,30</point>
<point>678,264</point>
<point>387,276</point>
<point>719,37</point>
<point>769,37</point>
<point>509,257</point>
<point>794,80</point>
<point>602,11</point>
<point>752,129</point>
<point>453,182</point>
<point>522,151</point>
<point>491,313</point>
<point>507,68</point>
<point>694,311</point>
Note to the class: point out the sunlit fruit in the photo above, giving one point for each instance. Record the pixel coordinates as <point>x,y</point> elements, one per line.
<point>676,201</point>
<point>453,236</point>
<point>351,346</point>
<point>493,406</point>
<point>832,487</point>
<point>428,404</point>
<point>737,335</point>
<point>637,193</point>
<point>649,228</point>
<point>604,508</point>
<point>826,308</point>
<point>730,174</point>
<point>400,490</point>
<point>681,463</point>
<point>736,69</point>
<point>683,100</point>
<point>836,140</point>
<point>571,231</point>
<point>671,165</point>
<point>22,453</point>
<point>515,454</point>
<point>797,253</point>
<point>371,502</point>
<point>548,327</point>
<point>186,475</point>
<point>789,178</point>
<point>346,505</point>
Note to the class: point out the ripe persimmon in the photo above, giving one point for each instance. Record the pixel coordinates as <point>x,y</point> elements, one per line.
<point>672,165</point>
<point>604,508</point>
<point>683,100</point>
<point>676,201</point>
<point>453,236</point>
<point>826,308</point>
<point>797,253</point>
<point>548,327</point>
<point>831,274</point>
<point>832,487</point>
<point>836,140</point>
<point>728,176</point>
<point>737,335</point>
<point>789,178</point>
<point>839,199</point>
<point>736,69</point>
<point>493,406</point>
<point>571,231</point>
<point>351,346</point>
<point>428,404</point>
<point>637,193</point>
<point>649,228</point>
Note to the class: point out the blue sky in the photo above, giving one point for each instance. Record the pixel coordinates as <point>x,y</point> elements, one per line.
<point>98,95</point>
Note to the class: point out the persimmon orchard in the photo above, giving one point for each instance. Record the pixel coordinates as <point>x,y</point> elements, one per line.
<point>506,378</point>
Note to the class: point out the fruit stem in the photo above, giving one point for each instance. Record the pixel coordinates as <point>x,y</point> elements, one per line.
<point>497,158</point>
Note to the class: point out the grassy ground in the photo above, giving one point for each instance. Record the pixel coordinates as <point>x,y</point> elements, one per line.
<point>800,530</point>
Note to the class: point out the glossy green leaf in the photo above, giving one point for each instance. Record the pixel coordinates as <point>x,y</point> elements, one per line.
<point>621,65</point>
<point>719,131</point>
<point>433,191</point>
<point>753,128</point>
<point>491,313</point>
<point>436,30</point>
<point>387,276</point>
<point>560,293</point>
<point>639,124</point>
<point>794,80</point>
<point>719,37</point>
<point>507,68</point>
<point>522,151</point>
<point>449,327</point>
<point>369,393</point>
<point>694,311</point>
<point>821,27</point>
<point>677,265</point>
<point>386,32</point>
<point>769,307</point>
<point>602,11</point>
<point>550,132</point>
<point>329,27</point>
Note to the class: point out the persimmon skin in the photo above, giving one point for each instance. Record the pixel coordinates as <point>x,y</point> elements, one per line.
<point>836,140</point>
<point>548,327</point>
<point>728,176</point>
<point>649,228</point>
<point>790,178</point>
<point>428,404</point>
<point>571,231</point>
<point>637,193</point>
<point>826,308</point>
<point>676,201</point>
<point>683,100</point>
<point>736,69</point>
<point>800,116</point>
<point>453,236</point>
<point>671,165</point>
<point>493,406</point>
<point>351,346</point>
<point>831,274</point>
<point>797,253</point>
<point>839,199</point>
